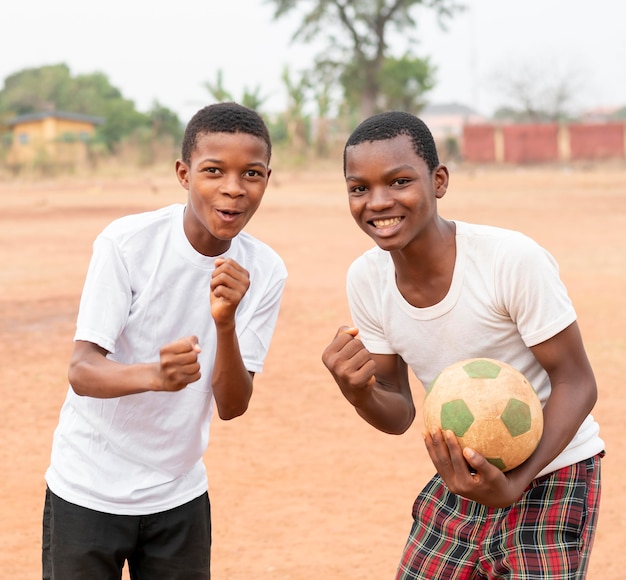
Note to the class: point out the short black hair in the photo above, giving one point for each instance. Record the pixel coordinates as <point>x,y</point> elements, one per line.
<point>391,124</point>
<point>225,117</point>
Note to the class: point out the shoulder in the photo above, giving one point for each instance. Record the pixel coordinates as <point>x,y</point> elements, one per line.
<point>255,254</point>
<point>141,223</point>
<point>489,233</point>
<point>503,242</point>
<point>371,260</point>
<point>370,269</point>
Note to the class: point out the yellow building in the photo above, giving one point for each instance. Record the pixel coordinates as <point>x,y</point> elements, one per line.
<point>50,138</point>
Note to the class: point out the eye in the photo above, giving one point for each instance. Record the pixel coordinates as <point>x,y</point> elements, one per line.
<point>212,170</point>
<point>401,181</point>
<point>253,173</point>
<point>357,190</point>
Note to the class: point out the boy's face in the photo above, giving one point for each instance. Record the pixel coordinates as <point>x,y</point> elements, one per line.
<point>225,180</point>
<point>391,192</point>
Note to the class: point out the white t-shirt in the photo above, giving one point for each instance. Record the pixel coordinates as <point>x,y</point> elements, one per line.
<point>146,286</point>
<point>505,296</point>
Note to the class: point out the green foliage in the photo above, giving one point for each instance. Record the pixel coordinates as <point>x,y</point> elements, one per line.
<point>619,115</point>
<point>121,120</point>
<point>52,87</point>
<point>298,123</point>
<point>36,89</point>
<point>404,82</point>
<point>217,90</point>
<point>356,33</point>
<point>277,126</point>
<point>165,123</point>
<point>251,98</point>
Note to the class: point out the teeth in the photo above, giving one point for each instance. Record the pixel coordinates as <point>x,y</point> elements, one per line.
<point>386,222</point>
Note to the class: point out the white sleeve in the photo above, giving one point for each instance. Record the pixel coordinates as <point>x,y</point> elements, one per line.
<point>531,290</point>
<point>106,298</point>
<point>364,292</point>
<point>256,335</point>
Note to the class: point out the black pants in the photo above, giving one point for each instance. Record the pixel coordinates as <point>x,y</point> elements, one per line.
<point>79,543</point>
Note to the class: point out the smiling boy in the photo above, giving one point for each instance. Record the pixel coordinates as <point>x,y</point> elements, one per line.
<point>176,316</point>
<point>434,292</point>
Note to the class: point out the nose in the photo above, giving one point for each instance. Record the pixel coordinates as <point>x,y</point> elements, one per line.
<point>232,186</point>
<point>379,199</point>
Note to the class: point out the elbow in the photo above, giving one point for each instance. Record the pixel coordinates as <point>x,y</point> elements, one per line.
<point>404,427</point>
<point>392,425</point>
<point>233,407</point>
<point>593,395</point>
<point>227,413</point>
<point>232,402</point>
<point>74,378</point>
<point>393,429</point>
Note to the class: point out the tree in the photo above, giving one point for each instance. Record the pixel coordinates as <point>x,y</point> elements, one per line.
<point>536,93</point>
<point>296,120</point>
<point>404,81</point>
<point>217,90</point>
<point>37,89</point>
<point>250,98</point>
<point>322,84</point>
<point>53,87</point>
<point>165,123</point>
<point>620,114</point>
<point>357,30</point>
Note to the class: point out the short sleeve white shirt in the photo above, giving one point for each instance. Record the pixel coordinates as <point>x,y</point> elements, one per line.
<point>146,286</point>
<point>505,297</point>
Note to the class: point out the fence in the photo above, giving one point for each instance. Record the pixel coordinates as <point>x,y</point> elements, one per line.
<point>543,143</point>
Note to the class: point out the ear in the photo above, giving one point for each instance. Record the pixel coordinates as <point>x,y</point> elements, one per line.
<point>182,173</point>
<point>441,178</point>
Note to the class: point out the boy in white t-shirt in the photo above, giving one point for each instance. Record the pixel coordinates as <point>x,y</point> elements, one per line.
<point>433,292</point>
<point>176,316</point>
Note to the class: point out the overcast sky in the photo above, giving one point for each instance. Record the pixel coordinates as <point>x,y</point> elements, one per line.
<point>166,51</point>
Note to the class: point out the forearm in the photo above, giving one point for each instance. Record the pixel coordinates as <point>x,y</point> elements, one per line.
<point>564,412</point>
<point>103,378</point>
<point>386,410</point>
<point>231,383</point>
<point>92,374</point>
<point>572,397</point>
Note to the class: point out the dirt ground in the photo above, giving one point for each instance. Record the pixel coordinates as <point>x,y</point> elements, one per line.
<point>300,487</point>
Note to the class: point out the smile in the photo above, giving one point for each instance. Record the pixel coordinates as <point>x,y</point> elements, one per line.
<point>387,222</point>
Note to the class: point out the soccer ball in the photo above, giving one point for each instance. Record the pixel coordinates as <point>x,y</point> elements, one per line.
<point>490,406</point>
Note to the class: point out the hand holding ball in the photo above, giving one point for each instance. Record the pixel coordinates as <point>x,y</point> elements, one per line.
<point>490,406</point>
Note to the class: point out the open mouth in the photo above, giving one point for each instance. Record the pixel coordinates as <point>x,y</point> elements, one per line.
<point>386,222</point>
<point>229,213</point>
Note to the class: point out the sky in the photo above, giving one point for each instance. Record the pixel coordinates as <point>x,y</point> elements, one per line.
<point>166,51</point>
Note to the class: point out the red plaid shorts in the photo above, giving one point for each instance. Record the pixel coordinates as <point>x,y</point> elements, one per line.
<point>547,534</point>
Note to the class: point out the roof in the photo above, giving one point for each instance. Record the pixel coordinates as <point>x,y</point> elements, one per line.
<point>39,116</point>
<point>447,109</point>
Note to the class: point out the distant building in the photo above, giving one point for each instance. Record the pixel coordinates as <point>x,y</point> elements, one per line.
<point>446,120</point>
<point>600,114</point>
<point>50,138</point>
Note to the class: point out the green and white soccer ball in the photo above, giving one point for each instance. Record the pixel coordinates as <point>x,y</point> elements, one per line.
<point>490,406</point>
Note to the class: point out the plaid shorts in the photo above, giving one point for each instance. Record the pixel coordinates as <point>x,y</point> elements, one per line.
<point>547,534</point>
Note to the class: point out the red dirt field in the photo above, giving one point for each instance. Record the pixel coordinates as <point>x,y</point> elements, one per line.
<point>300,486</point>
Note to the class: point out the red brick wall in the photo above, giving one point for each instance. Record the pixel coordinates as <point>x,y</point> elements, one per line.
<point>479,143</point>
<point>547,143</point>
<point>599,141</point>
<point>530,143</point>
